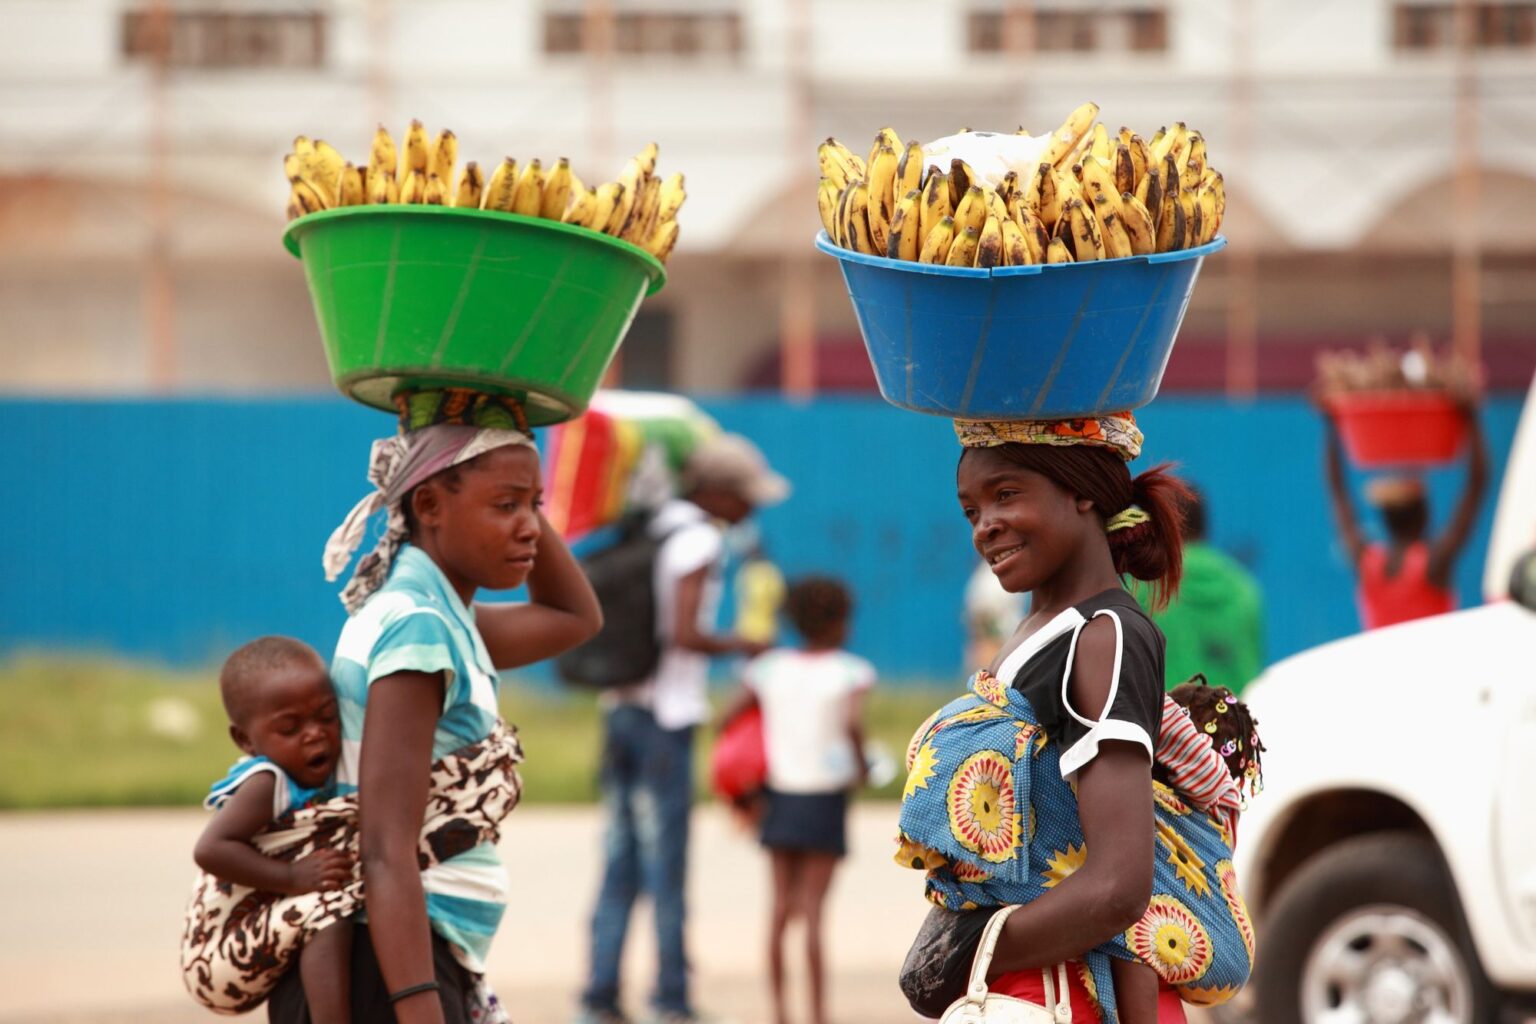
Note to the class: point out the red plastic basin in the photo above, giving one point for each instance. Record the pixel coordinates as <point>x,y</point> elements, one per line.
<point>1399,428</point>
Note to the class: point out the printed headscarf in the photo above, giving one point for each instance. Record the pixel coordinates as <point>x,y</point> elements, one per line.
<point>396,466</point>
<point>1117,431</point>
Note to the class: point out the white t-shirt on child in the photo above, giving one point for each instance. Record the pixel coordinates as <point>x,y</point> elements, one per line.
<point>804,697</point>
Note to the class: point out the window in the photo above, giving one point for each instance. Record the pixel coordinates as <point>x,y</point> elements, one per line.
<point>1496,26</point>
<point>645,33</point>
<point>1103,29</point>
<point>225,39</point>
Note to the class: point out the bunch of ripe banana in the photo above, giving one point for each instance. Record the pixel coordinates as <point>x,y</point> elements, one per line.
<point>639,207</point>
<point>1093,196</point>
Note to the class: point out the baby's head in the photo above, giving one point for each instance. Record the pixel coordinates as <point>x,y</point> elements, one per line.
<point>278,696</point>
<point>1233,731</point>
<point>819,608</point>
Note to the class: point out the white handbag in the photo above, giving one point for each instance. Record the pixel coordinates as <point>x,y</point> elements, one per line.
<point>978,1006</point>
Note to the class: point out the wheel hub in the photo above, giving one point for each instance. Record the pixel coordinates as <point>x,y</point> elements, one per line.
<point>1385,965</point>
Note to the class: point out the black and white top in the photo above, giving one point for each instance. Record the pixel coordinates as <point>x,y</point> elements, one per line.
<point>1041,669</point>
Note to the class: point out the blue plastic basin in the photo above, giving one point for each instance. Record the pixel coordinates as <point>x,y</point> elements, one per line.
<point>1036,342</point>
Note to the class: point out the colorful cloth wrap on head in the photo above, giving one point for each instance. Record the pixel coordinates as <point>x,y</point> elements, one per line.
<point>461,407</point>
<point>397,464</point>
<point>1117,431</point>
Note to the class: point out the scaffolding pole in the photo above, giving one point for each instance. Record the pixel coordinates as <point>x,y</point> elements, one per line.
<point>1242,369</point>
<point>159,285</point>
<point>381,83</point>
<point>597,43</point>
<point>797,298</point>
<point>1466,251</point>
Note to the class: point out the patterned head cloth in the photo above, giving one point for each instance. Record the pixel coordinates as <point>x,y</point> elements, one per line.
<point>1107,430</point>
<point>396,466</point>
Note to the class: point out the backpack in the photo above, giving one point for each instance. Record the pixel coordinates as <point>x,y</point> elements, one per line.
<point>626,650</point>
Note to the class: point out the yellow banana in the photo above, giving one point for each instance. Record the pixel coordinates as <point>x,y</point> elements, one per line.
<point>1015,248</point>
<point>882,198</point>
<point>304,196</point>
<point>1123,137</point>
<point>642,218</point>
<point>1030,197</point>
<point>436,192</point>
<point>445,155</point>
<point>556,195</point>
<point>1194,163</point>
<point>989,249</point>
<point>500,189</point>
<point>662,240</point>
<point>1174,143</point>
<point>841,217</point>
<point>293,210</point>
<point>1125,170</point>
<point>839,163</point>
<point>1064,140</point>
<point>906,227</point>
<point>1099,185</point>
<point>633,180</point>
<point>1052,201</point>
<point>1189,205</point>
<point>581,207</point>
<point>962,251</point>
<point>528,197</point>
<point>996,206</point>
<point>1218,187</point>
<point>1149,192</point>
<point>382,158</point>
<point>1141,160</point>
<point>647,157</point>
<point>1138,225</point>
<point>909,173</point>
<point>1058,252</point>
<point>1035,236</point>
<point>826,205</point>
<point>884,137</point>
<point>413,189</point>
<point>961,178</point>
<point>1087,242</point>
<point>1009,187</point>
<point>1154,148</point>
<point>856,216</point>
<point>329,161</point>
<point>972,211</point>
<point>1117,242</point>
<point>383,188</point>
<point>471,187</point>
<point>936,205</point>
<point>352,190</point>
<point>306,166</point>
<point>1170,233</point>
<point>673,195</point>
<point>606,205</point>
<point>1101,147</point>
<point>418,155</point>
<point>937,242</point>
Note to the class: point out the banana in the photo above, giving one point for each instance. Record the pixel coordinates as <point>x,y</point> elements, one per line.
<point>962,251</point>
<point>961,178</point>
<point>884,137</point>
<point>841,217</point>
<point>1099,185</point>
<point>826,205</point>
<point>882,199</point>
<point>936,243</point>
<point>989,249</point>
<point>306,166</point>
<point>528,197</point>
<point>936,204</point>
<point>293,210</point>
<point>1188,204</point>
<point>1009,187</point>
<point>383,188</point>
<point>1154,147</point>
<point>1150,192</point>
<point>329,162</point>
<point>436,192</point>
<point>1174,143</point>
<point>556,195</point>
<point>1218,187</point>
<point>1015,247</point>
<point>1125,169</point>
<point>352,190</point>
<point>1117,242</point>
<point>1138,225</point>
<point>1087,242</point>
<point>607,203</point>
<point>1058,252</point>
<point>581,207</point>
<point>382,158</point>
<point>1035,237</point>
<point>503,183</point>
<point>909,173</point>
<point>906,227</point>
<point>1052,202</point>
<point>1066,138</point>
<point>303,195</point>
<point>661,241</point>
<point>414,188</point>
<point>839,163</point>
<point>633,180</point>
<point>418,156</point>
<point>642,218</point>
<point>647,157</point>
<point>996,206</point>
<point>445,155</point>
<point>1141,159</point>
<point>1209,221</point>
<point>1100,146</point>
<point>673,195</point>
<point>972,211</point>
<point>856,218</point>
<point>1123,137</point>
<point>471,187</point>
<point>1194,163</point>
<point>1030,199</point>
<point>1170,234</point>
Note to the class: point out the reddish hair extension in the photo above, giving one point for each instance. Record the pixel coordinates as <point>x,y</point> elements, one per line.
<point>1152,551</point>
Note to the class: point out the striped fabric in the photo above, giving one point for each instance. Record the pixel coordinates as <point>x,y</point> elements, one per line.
<point>417,623</point>
<point>1195,769</point>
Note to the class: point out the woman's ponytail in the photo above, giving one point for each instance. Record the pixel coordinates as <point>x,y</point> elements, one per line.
<point>1153,550</point>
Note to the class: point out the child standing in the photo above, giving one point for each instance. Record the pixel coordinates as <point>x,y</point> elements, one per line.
<point>811,699</point>
<point>283,715</point>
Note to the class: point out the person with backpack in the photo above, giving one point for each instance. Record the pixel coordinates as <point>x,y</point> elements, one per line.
<point>652,661</point>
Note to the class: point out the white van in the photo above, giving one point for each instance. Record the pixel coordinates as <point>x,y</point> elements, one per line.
<point>1391,860</point>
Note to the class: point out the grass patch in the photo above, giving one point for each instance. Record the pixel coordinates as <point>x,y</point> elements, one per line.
<point>100,733</point>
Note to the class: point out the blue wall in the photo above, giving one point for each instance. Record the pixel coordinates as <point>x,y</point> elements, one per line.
<point>174,530</point>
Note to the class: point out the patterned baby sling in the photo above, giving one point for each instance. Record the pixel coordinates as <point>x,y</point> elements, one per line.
<point>238,942</point>
<point>987,815</point>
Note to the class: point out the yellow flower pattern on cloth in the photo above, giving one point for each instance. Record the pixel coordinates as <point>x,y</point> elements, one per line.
<point>1227,874</point>
<point>1187,865</point>
<point>982,816</point>
<point>921,768</point>
<point>1170,940</point>
<point>1063,864</point>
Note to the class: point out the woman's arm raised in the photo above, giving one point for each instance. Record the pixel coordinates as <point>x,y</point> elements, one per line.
<point>562,611</point>
<point>395,778</point>
<point>1109,893</point>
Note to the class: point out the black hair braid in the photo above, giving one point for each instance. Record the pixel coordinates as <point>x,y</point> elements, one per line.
<point>1232,729</point>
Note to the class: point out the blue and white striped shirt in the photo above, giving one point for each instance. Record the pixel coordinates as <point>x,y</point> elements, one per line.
<point>417,623</point>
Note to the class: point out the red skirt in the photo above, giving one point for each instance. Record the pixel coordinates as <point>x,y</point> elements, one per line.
<point>1029,985</point>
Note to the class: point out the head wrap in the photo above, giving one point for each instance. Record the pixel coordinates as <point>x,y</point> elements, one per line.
<point>1117,431</point>
<point>396,466</point>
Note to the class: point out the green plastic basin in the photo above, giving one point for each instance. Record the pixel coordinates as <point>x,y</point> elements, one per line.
<point>419,297</point>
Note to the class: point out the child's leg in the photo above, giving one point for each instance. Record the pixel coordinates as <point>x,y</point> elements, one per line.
<point>1135,991</point>
<point>325,967</point>
<point>815,879</point>
<point>785,872</point>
